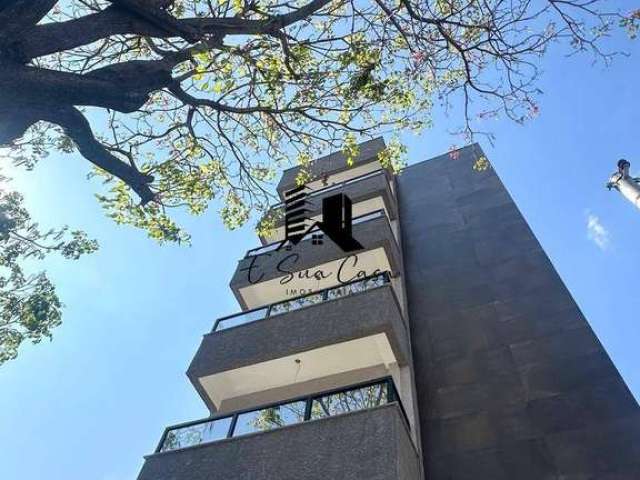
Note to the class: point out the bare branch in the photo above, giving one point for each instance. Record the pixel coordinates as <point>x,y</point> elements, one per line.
<point>77,127</point>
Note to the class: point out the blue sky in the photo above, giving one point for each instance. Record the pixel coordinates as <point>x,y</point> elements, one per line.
<point>91,403</point>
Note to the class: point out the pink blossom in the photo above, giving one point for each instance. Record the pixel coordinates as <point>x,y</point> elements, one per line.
<point>419,57</point>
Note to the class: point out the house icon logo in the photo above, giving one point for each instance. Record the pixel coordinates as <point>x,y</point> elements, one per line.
<point>336,220</point>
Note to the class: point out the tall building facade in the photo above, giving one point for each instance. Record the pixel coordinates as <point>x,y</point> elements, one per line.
<point>444,346</point>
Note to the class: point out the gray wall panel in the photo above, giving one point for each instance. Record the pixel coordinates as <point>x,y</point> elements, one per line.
<point>512,382</point>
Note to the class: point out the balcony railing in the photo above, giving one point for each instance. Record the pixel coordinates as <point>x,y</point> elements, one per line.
<point>302,301</point>
<point>275,245</point>
<point>336,186</point>
<point>277,415</point>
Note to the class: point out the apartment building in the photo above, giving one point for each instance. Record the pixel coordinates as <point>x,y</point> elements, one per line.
<point>444,347</point>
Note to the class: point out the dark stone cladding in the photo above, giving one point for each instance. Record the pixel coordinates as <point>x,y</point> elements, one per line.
<point>355,316</point>
<point>368,444</point>
<point>365,189</point>
<point>371,234</point>
<point>332,163</point>
<point>512,383</point>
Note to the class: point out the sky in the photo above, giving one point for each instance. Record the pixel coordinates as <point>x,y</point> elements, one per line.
<point>96,399</point>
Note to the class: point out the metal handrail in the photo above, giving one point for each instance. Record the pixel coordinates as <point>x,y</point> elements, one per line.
<point>325,293</point>
<point>391,396</point>
<point>273,245</point>
<point>335,186</point>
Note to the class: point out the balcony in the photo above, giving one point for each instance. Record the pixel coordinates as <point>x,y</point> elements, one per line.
<point>345,334</point>
<point>358,432</point>
<point>270,274</point>
<point>333,168</point>
<point>368,193</point>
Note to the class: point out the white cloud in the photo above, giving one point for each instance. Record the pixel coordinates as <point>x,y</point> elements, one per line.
<point>597,232</point>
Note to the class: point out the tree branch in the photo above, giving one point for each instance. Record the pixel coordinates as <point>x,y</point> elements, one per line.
<point>124,87</point>
<point>14,123</point>
<point>161,19</point>
<point>60,36</point>
<point>76,126</point>
<point>19,15</point>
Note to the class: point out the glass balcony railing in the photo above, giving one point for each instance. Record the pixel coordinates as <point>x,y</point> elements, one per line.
<point>303,301</point>
<point>270,247</point>
<point>326,404</point>
<point>336,186</point>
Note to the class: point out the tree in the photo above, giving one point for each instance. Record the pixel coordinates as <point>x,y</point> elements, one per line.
<point>29,305</point>
<point>178,102</point>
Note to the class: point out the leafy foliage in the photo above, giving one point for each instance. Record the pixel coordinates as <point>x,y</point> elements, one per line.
<point>481,164</point>
<point>631,23</point>
<point>29,305</point>
<point>179,103</point>
<point>228,91</point>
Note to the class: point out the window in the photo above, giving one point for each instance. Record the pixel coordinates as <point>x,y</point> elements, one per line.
<point>270,418</point>
<point>241,319</point>
<point>190,435</point>
<point>296,303</point>
<point>350,400</point>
